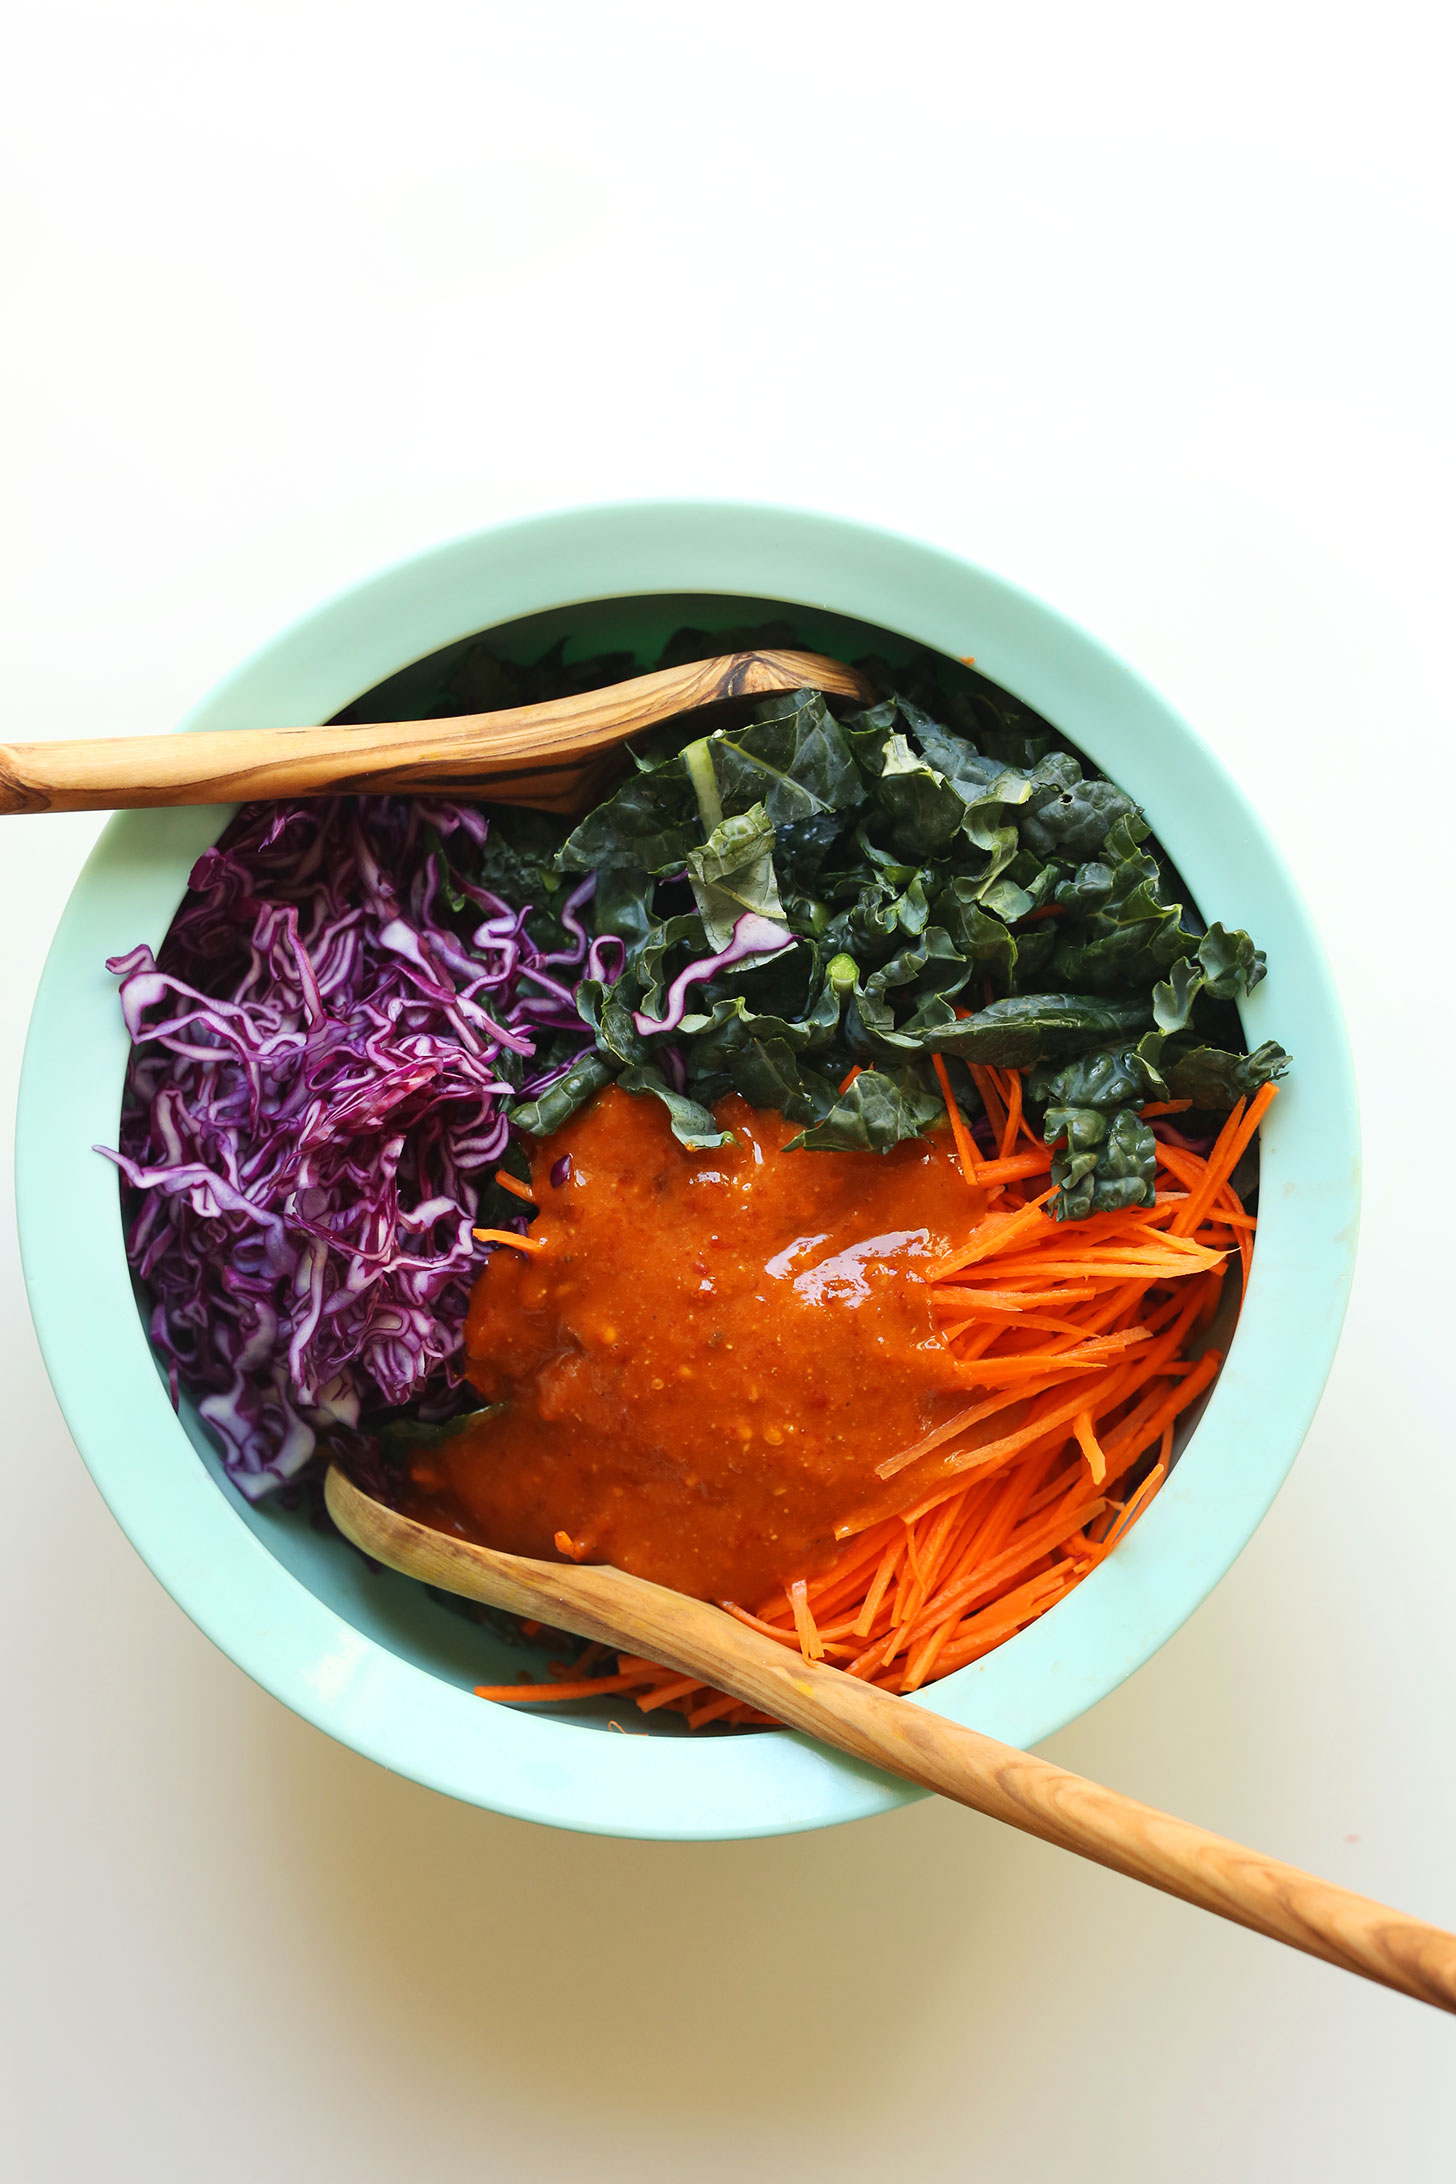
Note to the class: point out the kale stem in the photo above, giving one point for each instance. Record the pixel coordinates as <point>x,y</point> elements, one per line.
<point>698,760</point>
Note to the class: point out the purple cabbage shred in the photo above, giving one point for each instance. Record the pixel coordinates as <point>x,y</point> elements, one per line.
<point>315,1099</point>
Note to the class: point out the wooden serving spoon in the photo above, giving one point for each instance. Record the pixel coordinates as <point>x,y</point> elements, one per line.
<point>616,1610</point>
<point>552,756</point>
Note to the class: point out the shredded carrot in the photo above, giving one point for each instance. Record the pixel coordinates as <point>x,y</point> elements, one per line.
<point>1013,1113</point>
<point>590,1687</point>
<point>514,1185</point>
<point>1015,1167</point>
<point>965,1148</point>
<point>508,1236</point>
<point>1090,1446</point>
<point>1084,1341</point>
<point>988,1085</point>
<point>857,1071</point>
<point>811,1644</point>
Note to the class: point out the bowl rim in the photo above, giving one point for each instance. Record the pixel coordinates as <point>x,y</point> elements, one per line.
<point>507,1759</point>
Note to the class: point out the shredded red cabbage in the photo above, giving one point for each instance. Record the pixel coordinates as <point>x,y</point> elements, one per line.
<point>322,1059</point>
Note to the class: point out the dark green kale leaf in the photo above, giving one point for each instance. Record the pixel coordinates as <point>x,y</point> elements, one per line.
<point>734,872</point>
<point>1232,966</point>
<point>1213,1077</point>
<point>1228,966</point>
<point>560,1101</point>
<point>1029,1028</point>
<point>792,758</point>
<point>925,812</point>
<point>769,1072</point>
<point>692,1125</point>
<point>968,770</point>
<point>931,851</point>
<point>650,824</point>
<point>878,1110</point>
<point>1091,1106</point>
<point>1067,816</point>
<point>1113,1077</point>
<point>1108,1163</point>
<point>986,941</point>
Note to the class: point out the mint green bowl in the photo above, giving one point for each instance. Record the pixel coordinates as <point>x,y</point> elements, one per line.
<point>374,1660</point>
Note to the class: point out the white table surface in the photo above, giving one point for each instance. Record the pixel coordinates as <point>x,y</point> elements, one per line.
<point>1146,307</point>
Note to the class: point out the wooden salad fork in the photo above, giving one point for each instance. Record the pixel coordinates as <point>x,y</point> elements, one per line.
<point>553,757</point>
<point>617,1610</point>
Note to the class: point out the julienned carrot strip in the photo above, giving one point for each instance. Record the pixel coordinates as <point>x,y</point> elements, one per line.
<point>1226,1154</point>
<point>992,1235</point>
<point>718,1704</point>
<point>959,1296</point>
<point>988,1538</point>
<point>890,1562</point>
<point>514,1185</point>
<point>965,1148</point>
<point>509,1236</point>
<point>1017,1556</point>
<point>1019,1372</point>
<point>667,1694</point>
<point>1015,1168</point>
<point>955,1323</point>
<point>925,1564</point>
<point>1135,1504</point>
<point>1178,1399</point>
<point>784,1633</point>
<point>988,1085</point>
<point>965,1638</point>
<point>968,1341</point>
<point>990,1451</point>
<point>525,1694</point>
<point>1090,1446</point>
<point>810,1643</point>
<point>1040,1425</point>
<point>1013,1113</point>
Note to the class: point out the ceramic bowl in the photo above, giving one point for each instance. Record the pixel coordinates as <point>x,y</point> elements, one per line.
<point>373,1659</point>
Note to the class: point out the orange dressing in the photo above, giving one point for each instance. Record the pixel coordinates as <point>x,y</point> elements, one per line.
<point>700,1368</point>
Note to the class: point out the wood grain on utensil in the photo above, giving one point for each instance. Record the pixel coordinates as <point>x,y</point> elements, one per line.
<point>614,1609</point>
<point>552,757</point>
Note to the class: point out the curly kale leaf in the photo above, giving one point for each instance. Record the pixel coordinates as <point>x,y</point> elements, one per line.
<point>928,853</point>
<point>792,758</point>
<point>560,1101</point>
<point>692,1124</point>
<point>650,823</point>
<point>1029,1028</point>
<point>1115,1077</point>
<point>1068,816</point>
<point>734,872</point>
<point>1228,966</point>
<point>1213,1077</point>
<point>925,812</point>
<point>1108,1163</point>
<point>878,1110</point>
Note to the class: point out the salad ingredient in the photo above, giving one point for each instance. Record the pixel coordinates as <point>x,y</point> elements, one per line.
<point>957,888</point>
<point>324,1055</point>
<point>1089,1342</point>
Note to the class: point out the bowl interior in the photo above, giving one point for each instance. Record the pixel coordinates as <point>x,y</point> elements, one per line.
<point>370,1657</point>
<point>449,1639</point>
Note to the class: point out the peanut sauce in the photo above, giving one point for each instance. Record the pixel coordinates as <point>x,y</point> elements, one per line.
<point>700,1365</point>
